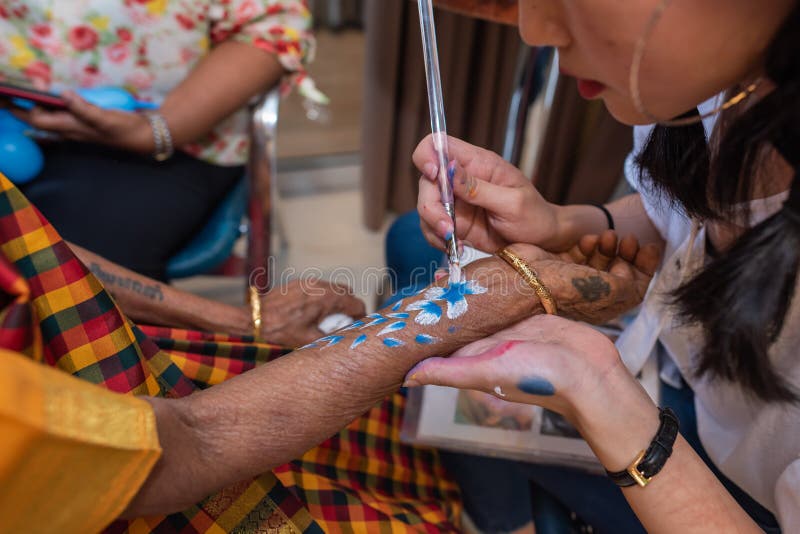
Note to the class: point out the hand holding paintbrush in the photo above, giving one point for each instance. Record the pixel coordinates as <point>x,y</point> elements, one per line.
<point>438,127</point>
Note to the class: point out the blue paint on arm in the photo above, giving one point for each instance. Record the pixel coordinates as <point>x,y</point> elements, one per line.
<point>358,341</point>
<point>353,326</point>
<point>331,340</point>
<point>425,339</point>
<point>394,327</point>
<point>455,296</point>
<point>430,312</point>
<point>393,342</point>
<point>376,319</point>
<point>402,315</point>
<point>397,305</point>
<point>536,385</point>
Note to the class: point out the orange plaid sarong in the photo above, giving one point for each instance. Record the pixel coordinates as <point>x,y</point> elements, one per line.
<point>58,313</point>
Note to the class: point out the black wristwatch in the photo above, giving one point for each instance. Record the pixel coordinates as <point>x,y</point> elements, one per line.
<point>649,462</point>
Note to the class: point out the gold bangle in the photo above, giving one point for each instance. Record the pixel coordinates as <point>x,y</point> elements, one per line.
<point>530,276</point>
<point>255,309</point>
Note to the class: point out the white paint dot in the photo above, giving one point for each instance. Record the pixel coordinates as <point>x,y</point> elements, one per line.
<point>499,391</point>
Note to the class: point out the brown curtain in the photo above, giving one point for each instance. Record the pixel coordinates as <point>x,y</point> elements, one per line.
<point>337,13</point>
<point>478,61</point>
<point>584,152</point>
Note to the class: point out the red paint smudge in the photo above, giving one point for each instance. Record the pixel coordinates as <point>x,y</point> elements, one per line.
<point>497,351</point>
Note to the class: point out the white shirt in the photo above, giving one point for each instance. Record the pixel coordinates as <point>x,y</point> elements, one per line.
<point>755,444</point>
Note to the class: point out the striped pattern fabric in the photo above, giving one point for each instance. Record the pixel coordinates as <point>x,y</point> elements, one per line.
<point>53,310</point>
<point>209,359</point>
<point>365,480</point>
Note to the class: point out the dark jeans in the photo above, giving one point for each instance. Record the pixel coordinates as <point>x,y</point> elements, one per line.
<point>498,493</point>
<point>127,208</point>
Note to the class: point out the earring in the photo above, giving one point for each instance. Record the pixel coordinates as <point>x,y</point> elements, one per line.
<point>636,64</point>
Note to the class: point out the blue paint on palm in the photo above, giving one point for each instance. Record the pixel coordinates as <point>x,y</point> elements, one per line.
<point>425,339</point>
<point>536,385</point>
<point>393,342</point>
<point>394,327</point>
<point>358,341</point>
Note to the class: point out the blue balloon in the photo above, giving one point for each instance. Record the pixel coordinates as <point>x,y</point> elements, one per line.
<point>113,98</point>
<point>21,159</point>
<point>109,98</point>
<point>9,123</point>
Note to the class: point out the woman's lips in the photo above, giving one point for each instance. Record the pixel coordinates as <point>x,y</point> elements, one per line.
<point>587,88</point>
<point>590,88</point>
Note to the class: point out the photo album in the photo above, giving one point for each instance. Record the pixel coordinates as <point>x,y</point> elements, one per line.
<point>478,423</point>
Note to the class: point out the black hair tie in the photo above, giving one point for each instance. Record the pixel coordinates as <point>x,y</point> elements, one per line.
<point>609,217</point>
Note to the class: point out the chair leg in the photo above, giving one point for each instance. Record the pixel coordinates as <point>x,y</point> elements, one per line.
<point>263,191</point>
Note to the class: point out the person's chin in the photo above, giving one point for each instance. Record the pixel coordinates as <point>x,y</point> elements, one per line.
<point>624,111</point>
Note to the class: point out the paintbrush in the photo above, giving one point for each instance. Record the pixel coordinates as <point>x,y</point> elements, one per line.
<point>439,128</point>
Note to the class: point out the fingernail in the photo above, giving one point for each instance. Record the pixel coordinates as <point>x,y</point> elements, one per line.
<point>431,170</point>
<point>439,274</point>
<point>411,381</point>
<point>451,169</point>
<point>472,188</point>
<point>445,229</point>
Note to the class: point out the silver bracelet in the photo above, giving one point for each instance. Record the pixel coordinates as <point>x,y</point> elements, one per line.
<point>162,138</point>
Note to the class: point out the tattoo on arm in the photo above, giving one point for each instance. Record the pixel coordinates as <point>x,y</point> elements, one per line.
<point>592,288</point>
<point>152,292</point>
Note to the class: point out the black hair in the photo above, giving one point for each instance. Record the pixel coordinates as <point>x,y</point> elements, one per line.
<point>742,296</point>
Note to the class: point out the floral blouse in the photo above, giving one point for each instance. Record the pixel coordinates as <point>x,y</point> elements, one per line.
<point>149,46</point>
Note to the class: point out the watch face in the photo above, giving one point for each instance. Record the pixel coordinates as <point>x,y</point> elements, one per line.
<point>504,11</point>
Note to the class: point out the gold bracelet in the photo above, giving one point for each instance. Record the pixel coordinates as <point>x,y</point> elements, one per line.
<point>255,309</point>
<point>530,275</point>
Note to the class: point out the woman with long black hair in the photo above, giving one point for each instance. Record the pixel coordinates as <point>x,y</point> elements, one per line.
<point>718,188</point>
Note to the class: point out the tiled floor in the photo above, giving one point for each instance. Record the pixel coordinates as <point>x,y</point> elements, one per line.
<point>325,237</point>
<point>333,243</point>
<point>319,208</point>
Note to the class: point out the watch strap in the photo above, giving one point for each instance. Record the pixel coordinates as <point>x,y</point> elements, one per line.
<point>650,462</point>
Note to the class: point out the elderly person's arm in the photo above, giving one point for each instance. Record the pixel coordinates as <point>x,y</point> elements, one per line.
<point>250,54</point>
<point>290,314</point>
<point>272,414</point>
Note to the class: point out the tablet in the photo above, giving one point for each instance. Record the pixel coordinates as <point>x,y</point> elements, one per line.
<point>14,93</point>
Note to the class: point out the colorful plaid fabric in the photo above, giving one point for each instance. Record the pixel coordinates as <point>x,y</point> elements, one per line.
<point>363,480</point>
<point>72,323</point>
<point>209,359</point>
